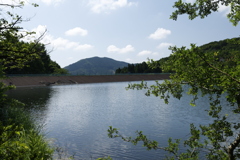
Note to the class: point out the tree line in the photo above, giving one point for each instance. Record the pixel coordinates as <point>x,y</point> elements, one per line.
<point>143,67</point>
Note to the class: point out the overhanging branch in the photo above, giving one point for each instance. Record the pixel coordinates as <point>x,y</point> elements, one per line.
<point>210,65</point>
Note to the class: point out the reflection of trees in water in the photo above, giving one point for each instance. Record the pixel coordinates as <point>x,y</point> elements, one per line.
<point>35,100</point>
<point>31,96</point>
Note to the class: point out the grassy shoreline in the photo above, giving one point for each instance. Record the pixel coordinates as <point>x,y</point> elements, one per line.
<point>20,138</point>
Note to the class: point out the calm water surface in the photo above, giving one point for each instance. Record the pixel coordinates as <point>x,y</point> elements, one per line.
<point>77,117</point>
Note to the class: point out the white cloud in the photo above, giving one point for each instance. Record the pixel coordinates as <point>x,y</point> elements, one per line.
<point>40,31</point>
<point>148,53</point>
<point>113,48</point>
<point>76,31</point>
<point>128,48</point>
<point>83,47</point>
<point>224,9</point>
<point>57,43</point>
<point>144,53</point>
<point>98,6</point>
<point>63,44</point>
<point>160,33</point>
<point>164,45</point>
<point>60,43</point>
<point>155,53</point>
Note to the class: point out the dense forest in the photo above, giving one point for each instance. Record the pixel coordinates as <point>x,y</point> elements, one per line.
<point>39,64</point>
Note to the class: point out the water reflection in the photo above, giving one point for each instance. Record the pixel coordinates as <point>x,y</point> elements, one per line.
<point>78,117</point>
<point>35,100</point>
<point>32,97</point>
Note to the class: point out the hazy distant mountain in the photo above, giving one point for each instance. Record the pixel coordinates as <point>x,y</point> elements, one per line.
<point>95,66</point>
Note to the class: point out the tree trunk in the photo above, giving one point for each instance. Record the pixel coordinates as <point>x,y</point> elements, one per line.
<point>232,147</point>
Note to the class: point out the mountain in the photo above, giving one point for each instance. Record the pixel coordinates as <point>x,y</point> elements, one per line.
<point>95,66</point>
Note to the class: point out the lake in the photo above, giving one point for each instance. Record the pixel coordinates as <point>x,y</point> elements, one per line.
<point>76,118</point>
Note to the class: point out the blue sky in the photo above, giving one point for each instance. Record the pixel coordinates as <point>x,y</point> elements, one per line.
<point>125,30</point>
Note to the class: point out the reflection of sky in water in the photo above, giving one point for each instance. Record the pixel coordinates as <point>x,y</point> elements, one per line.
<point>78,117</point>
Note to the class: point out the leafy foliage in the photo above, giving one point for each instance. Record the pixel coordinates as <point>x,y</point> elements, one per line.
<point>18,143</point>
<point>212,74</point>
<point>221,50</point>
<point>16,55</point>
<point>19,137</point>
<point>203,8</point>
<point>105,158</point>
<point>42,64</point>
<point>212,70</point>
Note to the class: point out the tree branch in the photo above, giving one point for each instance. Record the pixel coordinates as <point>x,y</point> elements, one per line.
<point>11,5</point>
<point>210,65</point>
<point>232,147</point>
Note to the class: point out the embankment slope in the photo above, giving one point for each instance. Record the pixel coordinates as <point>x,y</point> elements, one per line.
<point>55,80</point>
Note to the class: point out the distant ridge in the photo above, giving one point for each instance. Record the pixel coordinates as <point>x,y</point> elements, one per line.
<point>95,66</point>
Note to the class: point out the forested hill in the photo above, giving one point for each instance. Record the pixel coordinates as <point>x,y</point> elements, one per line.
<point>95,66</point>
<point>222,49</point>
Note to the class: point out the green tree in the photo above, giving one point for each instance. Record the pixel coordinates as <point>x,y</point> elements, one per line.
<point>42,64</point>
<point>17,55</point>
<point>213,72</point>
<point>203,8</point>
<point>131,68</point>
<point>13,51</point>
<point>19,137</point>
